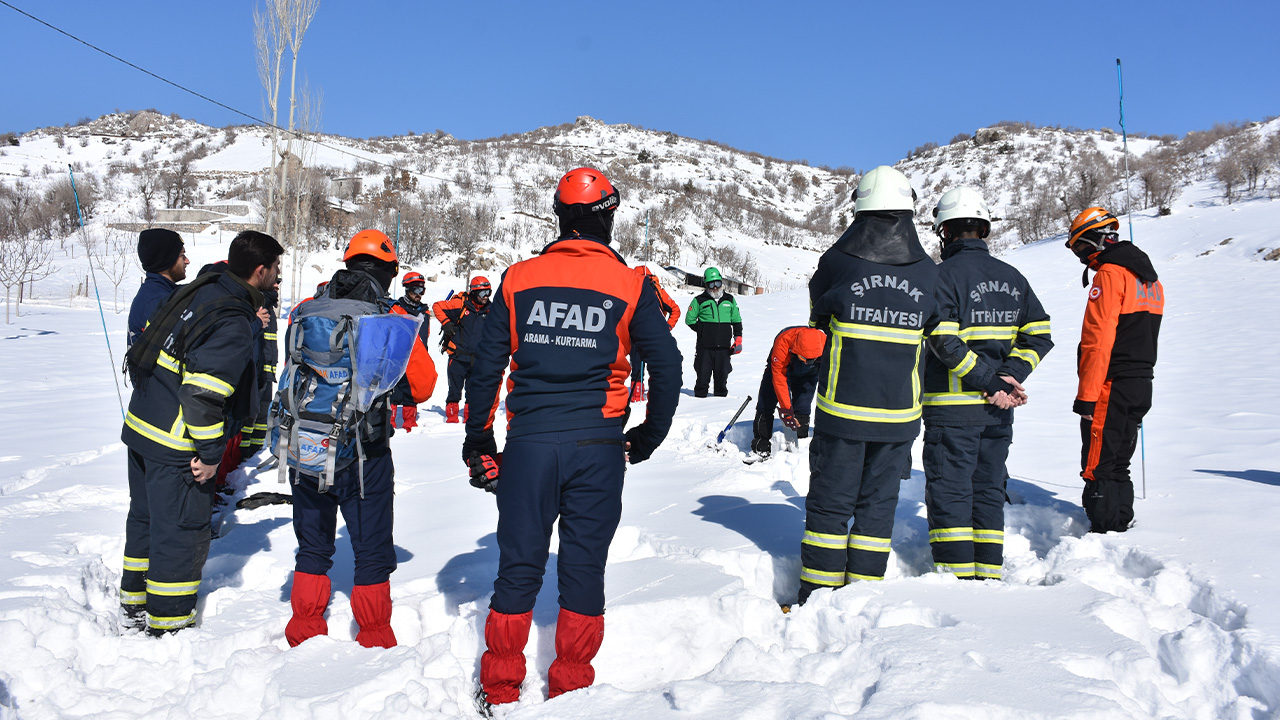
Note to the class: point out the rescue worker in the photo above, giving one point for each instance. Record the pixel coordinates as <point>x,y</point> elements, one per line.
<point>790,378</point>
<point>461,319</point>
<point>714,316</point>
<point>567,319</point>
<point>363,491</point>
<point>1116,363</point>
<point>404,411</point>
<point>993,332</point>
<point>672,312</point>
<point>196,371</point>
<point>164,259</point>
<point>872,293</point>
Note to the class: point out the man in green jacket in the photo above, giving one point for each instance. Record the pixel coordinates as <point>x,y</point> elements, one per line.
<point>714,316</point>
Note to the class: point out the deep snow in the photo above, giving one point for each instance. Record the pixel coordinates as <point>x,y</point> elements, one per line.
<point>1178,618</point>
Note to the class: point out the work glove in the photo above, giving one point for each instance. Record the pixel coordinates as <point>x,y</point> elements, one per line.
<point>446,332</point>
<point>485,470</point>
<point>639,444</point>
<point>483,444</point>
<point>789,419</point>
<point>737,345</point>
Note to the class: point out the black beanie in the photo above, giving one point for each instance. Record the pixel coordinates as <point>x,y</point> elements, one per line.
<point>159,249</point>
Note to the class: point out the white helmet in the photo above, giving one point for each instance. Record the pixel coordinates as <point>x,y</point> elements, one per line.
<point>961,203</point>
<point>884,188</point>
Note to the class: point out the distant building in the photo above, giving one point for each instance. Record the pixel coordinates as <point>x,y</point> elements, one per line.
<point>692,279</point>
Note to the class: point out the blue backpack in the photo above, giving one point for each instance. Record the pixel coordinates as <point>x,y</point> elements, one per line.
<point>343,358</point>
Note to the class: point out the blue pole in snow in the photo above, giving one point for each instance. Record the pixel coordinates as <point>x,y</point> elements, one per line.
<point>1142,429</point>
<point>101,314</point>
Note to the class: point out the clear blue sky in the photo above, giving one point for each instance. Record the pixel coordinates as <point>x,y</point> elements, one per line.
<point>839,83</point>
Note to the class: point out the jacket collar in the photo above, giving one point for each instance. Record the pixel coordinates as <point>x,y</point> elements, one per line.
<point>582,246</point>
<point>963,245</point>
<point>153,277</point>
<point>242,288</point>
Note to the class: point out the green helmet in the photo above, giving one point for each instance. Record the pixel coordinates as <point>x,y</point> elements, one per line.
<point>711,274</point>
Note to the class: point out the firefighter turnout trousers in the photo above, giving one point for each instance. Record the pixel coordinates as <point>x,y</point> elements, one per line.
<point>849,478</point>
<point>964,492</point>
<point>712,363</point>
<point>1108,444</point>
<point>575,475</point>
<point>166,542</point>
<point>369,520</point>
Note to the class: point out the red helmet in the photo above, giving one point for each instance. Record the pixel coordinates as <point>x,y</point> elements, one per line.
<point>413,278</point>
<point>583,191</point>
<point>373,243</point>
<point>479,282</point>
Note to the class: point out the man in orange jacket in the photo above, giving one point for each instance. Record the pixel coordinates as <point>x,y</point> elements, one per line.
<point>404,410</point>
<point>1116,363</point>
<point>790,378</point>
<point>672,312</point>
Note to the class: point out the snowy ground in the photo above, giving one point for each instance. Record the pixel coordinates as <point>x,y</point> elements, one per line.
<point>1178,618</point>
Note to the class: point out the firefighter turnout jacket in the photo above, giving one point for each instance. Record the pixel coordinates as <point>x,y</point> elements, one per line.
<point>467,317</point>
<point>717,322</point>
<point>876,306</point>
<point>1121,322</point>
<point>203,384</point>
<point>568,320</point>
<point>992,324</point>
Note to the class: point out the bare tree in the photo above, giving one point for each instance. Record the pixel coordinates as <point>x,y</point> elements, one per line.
<point>1230,172</point>
<point>269,43</point>
<point>114,255</point>
<point>24,259</point>
<point>294,17</point>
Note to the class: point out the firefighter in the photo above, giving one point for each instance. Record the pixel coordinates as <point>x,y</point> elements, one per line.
<point>714,316</point>
<point>404,411</point>
<point>790,378</point>
<point>362,490</point>
<point>195,371</point>
<point>567,320</point>
<point>254,434</point>
<point>872,293</point>
<point>1116,363</point>
<point>672,312</point>
<point>993,332</point>
<point>461,319</point>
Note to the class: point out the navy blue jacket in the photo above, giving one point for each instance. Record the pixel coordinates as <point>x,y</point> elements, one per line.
<point>156,288</point>
<point>568,320</point>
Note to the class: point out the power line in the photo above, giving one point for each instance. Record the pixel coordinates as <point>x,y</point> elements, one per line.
<point>241,113</point>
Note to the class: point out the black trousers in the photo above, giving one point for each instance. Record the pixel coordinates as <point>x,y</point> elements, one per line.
<point>709,363</point>
<point>369,520</point>
<point>458,372</point>
<point>1108,444</point>
<point>166,541</point>
<point>802,387</point>
<point>965,476</point>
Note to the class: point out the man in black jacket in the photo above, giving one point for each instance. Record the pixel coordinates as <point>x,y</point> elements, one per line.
<point>196,371</point>
<point>993,333</point>
<point>873,295</point>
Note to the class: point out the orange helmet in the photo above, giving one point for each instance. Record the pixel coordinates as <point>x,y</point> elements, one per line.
<point>413,278</point>
<point>583,191</point>
<point>1094,218</point>
<point>373,243</point>
<point>479,282</point>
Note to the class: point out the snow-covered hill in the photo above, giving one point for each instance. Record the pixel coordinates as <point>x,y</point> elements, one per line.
<point>1178,618</point>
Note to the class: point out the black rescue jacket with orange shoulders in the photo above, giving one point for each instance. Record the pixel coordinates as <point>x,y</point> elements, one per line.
<point>992,324</point>
<point>467,319</point>
<point>873,295</point>
<point>568,319</point>
<point>1121,322</point>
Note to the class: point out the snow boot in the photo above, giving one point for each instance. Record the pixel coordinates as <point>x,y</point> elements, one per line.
<point>371,604</point>
<point>309,598</point>
<point>451,413</point>
<point>637,392</point>
<point>410,415</point>
<point>578,639</point>
<point>502,665</point>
